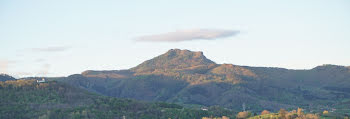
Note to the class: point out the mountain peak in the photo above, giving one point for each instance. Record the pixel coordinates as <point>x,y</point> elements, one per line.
<point>178,53</point>
<point>184,52</point>
<point>175,59</point>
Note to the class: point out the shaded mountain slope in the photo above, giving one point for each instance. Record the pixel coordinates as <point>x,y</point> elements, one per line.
<point>186,77</point>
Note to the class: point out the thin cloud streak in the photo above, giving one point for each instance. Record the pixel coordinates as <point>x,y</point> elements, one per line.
<point>51,49</point>
<point>189,35</point>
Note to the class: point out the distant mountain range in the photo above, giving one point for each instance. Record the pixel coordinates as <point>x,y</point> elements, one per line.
<point>189,78</point>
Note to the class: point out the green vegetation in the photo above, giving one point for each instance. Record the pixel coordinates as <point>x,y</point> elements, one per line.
<point>27,99</point>
<point>293,114</point>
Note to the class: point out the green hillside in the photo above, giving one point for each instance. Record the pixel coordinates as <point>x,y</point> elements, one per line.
<point>27,99</point>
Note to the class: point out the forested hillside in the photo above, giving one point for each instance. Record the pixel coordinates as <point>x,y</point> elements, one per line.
<point>27,99</point>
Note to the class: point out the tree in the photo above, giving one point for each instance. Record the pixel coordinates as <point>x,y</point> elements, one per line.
<point>346,116</point>
<point>325,112</point>
<point>265,112</point>
<point>225,117</point>
<point>294,111</point>
<point>291,116</point>
<point>311,116</point>
<point>300,112</point>
<point>242,115</point>
<point>282,113</point>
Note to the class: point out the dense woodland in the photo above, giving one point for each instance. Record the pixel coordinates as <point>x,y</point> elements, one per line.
<point>26,99</point>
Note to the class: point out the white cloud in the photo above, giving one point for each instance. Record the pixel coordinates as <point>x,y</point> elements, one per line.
<point>188,35</point>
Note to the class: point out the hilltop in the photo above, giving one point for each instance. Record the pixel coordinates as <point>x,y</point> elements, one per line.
<point>175,60</point>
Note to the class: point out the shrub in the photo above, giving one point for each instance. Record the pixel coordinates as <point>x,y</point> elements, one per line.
<point>242,115</point>
<point>265,112</point>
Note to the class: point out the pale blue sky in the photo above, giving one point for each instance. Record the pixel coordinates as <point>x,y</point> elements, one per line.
<point>63,37</point>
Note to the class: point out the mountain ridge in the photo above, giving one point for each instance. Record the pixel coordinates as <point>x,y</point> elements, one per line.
<point>177,62</point>
<point>178,54</point>
<point>186,77</point>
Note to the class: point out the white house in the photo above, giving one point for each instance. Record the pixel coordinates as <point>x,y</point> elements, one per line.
<point>204,108</point>
<point>42,80</point>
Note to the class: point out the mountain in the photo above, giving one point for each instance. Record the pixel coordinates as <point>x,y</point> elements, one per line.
<point>27,99</point>
<point>5,77</point>
<point>175,60</point>
<point>189,78</point>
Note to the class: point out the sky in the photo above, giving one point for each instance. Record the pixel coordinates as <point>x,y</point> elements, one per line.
<point>64,37</point>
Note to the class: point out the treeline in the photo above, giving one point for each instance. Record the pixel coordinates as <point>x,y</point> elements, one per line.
<point>293,114</point>
<point>27,99</point>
